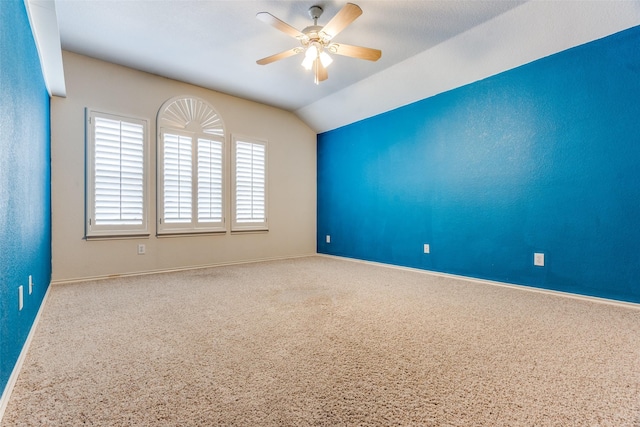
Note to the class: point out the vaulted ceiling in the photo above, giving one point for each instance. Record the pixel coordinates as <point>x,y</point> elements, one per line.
<point>428,46</point>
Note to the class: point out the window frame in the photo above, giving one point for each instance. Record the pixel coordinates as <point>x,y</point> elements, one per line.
<point>237,226</point>
<point>93,230</point>
<point>195,118</point>
<point>194,226</point>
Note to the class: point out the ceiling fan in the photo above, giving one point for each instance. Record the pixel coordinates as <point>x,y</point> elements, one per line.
<point>317,41</point>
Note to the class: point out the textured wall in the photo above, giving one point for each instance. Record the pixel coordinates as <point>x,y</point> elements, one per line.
<point>540,158</point>
<point>25,218</point>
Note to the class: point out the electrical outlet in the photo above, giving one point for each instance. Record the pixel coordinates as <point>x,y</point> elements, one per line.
<point>427,248</point>
<point>30,284</point>
<point>328,239</point>
<point>20,298</point>
<point>142,249</point>
<point>538,259</point>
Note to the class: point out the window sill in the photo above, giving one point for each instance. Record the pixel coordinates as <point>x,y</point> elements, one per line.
<point>251,231</point>
<point>117,237</point>
<point>190,233</point>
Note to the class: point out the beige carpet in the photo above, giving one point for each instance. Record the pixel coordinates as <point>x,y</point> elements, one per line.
<point>321,341</point>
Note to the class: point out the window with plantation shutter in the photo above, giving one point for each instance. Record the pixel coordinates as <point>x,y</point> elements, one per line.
<point>177,178</point>
<point>249,184</point>
<point>116,182</point>
<point>209,180</point>
<point>190,168</point>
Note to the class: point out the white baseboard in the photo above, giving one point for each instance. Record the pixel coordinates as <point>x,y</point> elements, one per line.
<point>6,394</point>
<point>495,283</point>
<point>175,269</point>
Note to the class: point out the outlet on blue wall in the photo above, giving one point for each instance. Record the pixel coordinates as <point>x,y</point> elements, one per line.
<point>542,158</point>
<point>25,207</point>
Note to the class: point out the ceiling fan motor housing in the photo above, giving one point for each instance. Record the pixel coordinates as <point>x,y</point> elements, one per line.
<point>312,32</point>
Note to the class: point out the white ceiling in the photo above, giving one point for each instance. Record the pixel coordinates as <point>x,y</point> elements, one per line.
<point>215,44</point>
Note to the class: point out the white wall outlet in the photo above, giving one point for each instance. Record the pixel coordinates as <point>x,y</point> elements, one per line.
<point>538,259</point>
<point>20,298</point>
<point>328,239</point>
<point>142,249</point>
<point>30,284</point>
<point>426,248</point>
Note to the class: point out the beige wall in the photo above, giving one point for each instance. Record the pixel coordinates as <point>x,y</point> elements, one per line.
<point>114,89</point>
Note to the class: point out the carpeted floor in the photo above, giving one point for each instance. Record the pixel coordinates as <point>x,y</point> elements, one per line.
<point>322,341</point>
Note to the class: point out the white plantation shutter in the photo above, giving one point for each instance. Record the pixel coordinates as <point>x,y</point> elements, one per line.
<point>177,178</point>
<point>250,159</point>
<point>209,180</point>
<point>116,175</point>
<point>190,168</point>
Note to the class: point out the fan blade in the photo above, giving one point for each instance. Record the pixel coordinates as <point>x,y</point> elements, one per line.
<point>346,16</point>
<point>278,56</point>
<point>356,51</point>
<point>321,72</point>
<point>268,18</point>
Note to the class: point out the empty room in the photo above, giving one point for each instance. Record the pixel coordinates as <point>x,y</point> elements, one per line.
<point>292,213</point>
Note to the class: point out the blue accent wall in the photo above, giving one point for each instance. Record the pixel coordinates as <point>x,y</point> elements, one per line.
<point>541,158</point>
<point>25,207</point>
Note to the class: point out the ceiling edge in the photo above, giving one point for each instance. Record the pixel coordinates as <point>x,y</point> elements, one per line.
<point>528,32</point>
<point>44,26</point>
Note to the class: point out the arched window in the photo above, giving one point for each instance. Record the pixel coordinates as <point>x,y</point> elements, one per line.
<point>191,147</point>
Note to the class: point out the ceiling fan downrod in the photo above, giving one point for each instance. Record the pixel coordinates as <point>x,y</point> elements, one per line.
<point>315,12</point>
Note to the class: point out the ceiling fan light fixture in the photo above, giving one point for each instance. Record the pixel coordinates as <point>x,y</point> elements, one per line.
<point>312,51</point>
<point>326,59</point>
<point>315,51</point>
<point>307,62</point>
